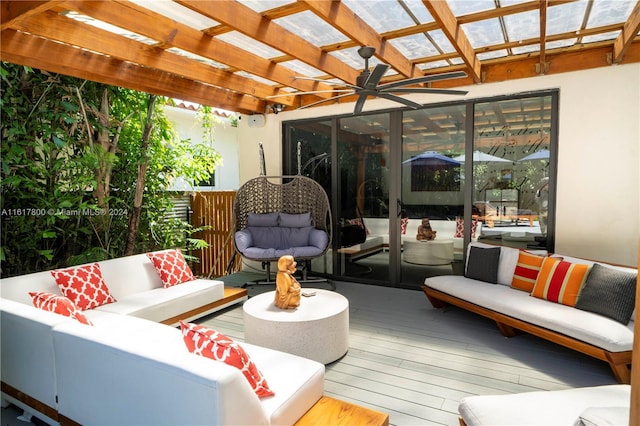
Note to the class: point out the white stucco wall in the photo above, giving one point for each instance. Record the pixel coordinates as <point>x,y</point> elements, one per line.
<point>598,211</point>
<point>225,142</point>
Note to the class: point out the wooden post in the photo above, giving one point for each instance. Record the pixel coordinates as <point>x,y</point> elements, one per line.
<point>634,414</point>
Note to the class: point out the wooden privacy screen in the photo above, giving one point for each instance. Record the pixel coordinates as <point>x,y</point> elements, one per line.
<point>214,209</point>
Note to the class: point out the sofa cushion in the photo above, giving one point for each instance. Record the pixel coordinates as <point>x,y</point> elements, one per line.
<point>161,304</point>
<point>582,325</point>
<point>559,407</point>
<point>83,285</point>
<point>59,305</point>
<point>609,292</point>
<point>149,374</point>
<point>602,416</point>
<point>559,281</point>
<point>318,238</point>
<point>295,220</point>
<point>279,237</point>
<point>295,237</point>
<point>526,272</point>
<point>171,267</point>
<point>264,236</point>
<point>263,219</point>
<point>483,264</point>
<point>215,345</point>
<point>129,275</point>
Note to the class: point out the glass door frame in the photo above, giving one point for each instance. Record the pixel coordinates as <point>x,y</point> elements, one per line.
<point>395,181</point>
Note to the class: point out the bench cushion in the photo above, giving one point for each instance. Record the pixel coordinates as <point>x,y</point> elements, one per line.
<point>562,407</point>
<point>582,325</point>
<point>163,303</point>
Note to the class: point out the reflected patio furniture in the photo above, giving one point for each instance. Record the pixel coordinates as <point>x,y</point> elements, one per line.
<point>485,212</point>
<point>434,252</point>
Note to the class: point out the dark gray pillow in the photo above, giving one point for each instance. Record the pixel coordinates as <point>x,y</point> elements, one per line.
<point>483,264</point>
<point>609,292</point>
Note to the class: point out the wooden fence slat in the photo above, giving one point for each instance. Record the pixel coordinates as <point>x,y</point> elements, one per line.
<point>214,209</point>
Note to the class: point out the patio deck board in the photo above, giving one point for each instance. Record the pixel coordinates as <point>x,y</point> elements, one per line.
<point>416,363</point>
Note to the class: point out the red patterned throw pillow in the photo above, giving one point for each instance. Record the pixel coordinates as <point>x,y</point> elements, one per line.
<point>57,304</point>
<point>460,228</point>
<point>212,344</point>
<point>171,267</point>
<point>403,225</point>
<point>84,286</point>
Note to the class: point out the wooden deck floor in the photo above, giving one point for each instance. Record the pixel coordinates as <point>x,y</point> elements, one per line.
<point>416,363</point>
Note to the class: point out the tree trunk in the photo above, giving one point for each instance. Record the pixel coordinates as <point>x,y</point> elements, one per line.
<point>103,149</point>
<point>134,217</point>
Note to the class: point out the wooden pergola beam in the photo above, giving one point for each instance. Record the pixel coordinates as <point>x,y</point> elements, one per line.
<point>174,34</point>
<point>13,11</point>
<point>54,26</point>
<point>452,29</point>
<point>344,19</point>
<point>542,67</point>
<point>23,49</point>
<point>566,61</point>
<point>628,34</point>
<point>243,19</point>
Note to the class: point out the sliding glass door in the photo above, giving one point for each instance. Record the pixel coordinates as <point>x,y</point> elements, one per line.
<point>409,189</point>
<point>514,170</point>
<point>363,195</point>
<point>432,191</point>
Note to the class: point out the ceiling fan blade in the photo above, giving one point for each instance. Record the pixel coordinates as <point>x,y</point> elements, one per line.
<point>424,79</point>
<point>310,93</point>
<point>400,100</point>
<point>360,104</point>
<point>319,80</point>
<point>425,90</point>
<point>375,76</point>
<point>327,100</point>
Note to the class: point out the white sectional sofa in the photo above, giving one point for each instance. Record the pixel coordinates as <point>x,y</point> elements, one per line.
<point>516,311</point>
<point>138,290</point>
<point>128,368</point>
<point>599,405</point>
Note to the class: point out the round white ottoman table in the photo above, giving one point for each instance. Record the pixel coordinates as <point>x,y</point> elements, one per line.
<point>435,252</point>
<point>318,329</point>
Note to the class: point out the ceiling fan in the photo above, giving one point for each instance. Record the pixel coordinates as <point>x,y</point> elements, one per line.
<point>368,84</point>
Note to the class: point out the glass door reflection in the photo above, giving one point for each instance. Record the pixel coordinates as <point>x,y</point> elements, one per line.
<point>432,192</point>
<point>363,189</point>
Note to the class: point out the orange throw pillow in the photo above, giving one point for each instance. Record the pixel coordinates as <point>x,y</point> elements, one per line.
<point>527,269</point>
<point>559,281</point>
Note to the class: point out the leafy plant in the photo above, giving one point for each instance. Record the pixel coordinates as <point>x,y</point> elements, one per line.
<point>70,155</point>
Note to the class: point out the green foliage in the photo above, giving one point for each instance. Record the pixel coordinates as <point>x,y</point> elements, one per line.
<point>51,157</point>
